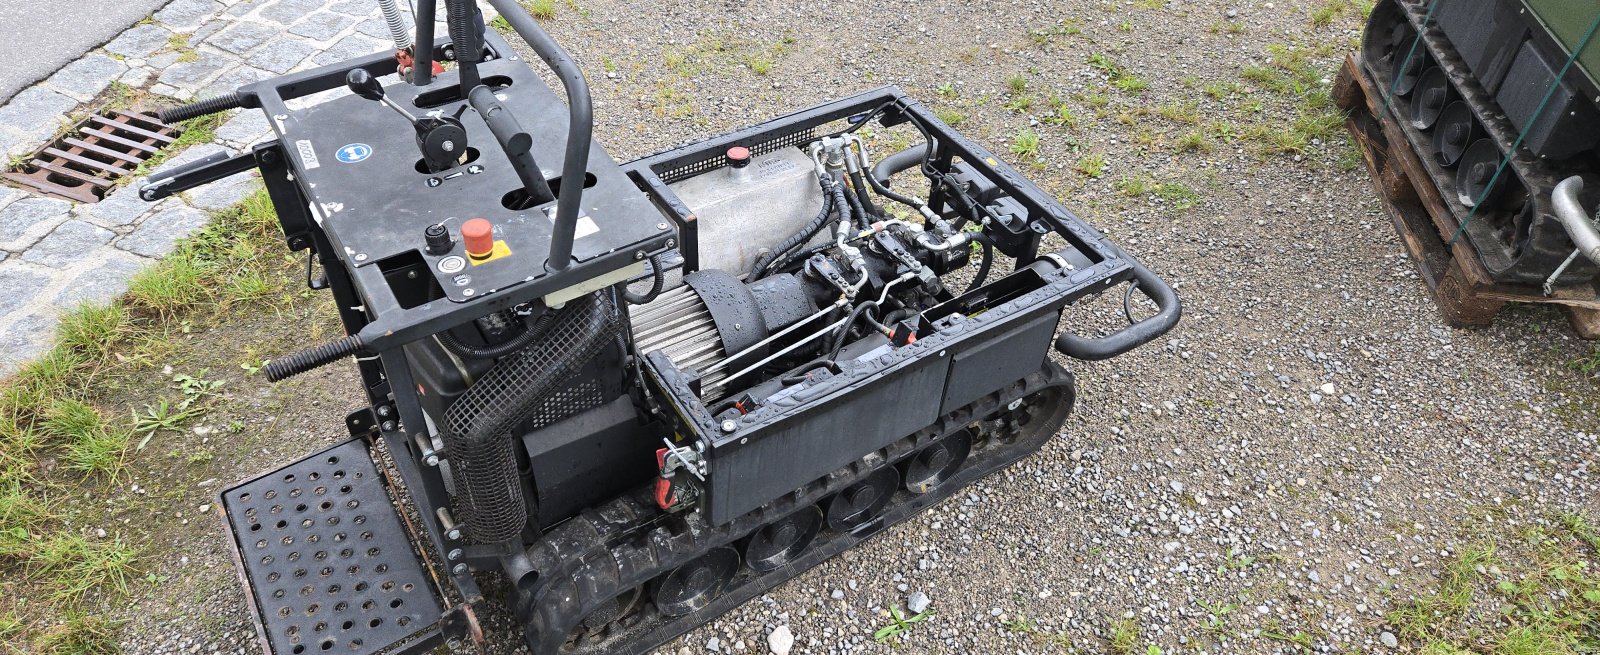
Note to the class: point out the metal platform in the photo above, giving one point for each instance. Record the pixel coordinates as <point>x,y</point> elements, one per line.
<point>327,562</point>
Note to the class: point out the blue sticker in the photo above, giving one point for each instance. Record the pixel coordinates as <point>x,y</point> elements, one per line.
<point>354,152</point>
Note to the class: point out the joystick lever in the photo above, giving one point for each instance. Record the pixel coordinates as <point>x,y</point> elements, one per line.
<point>442,139</point>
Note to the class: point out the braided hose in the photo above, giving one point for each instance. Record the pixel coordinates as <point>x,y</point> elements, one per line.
<point>397,24</point>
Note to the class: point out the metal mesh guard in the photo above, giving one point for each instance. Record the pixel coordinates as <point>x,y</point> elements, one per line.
<point>324,555</point>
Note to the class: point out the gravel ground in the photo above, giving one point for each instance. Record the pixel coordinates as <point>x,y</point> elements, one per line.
<point>1312,444</point>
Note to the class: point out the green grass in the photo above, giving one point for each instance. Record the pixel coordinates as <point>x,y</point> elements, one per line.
<point>950,116</point>
<point>1092,165</point>
<point>80,634</point>
<point>1124,636</point>
<point>1025,144</point>
<point>1535,592</point>
<point>93,444</point>
<point>540,9</point>
<point>75,565</point>
<point>900,623</point>
<point>1193,142</point>
<point>1176,194</point>
<point>93,329</point>
<point>1017,84</point>
<point>59,437</point>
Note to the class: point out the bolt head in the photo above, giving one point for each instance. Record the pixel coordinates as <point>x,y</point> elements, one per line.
<point>1014,404</point>
<point>388,426</point>
<point>455,554</point>
<point>453,534</point>
<point>459,569</point>
<point>729,426</point>
<point>432,460</point>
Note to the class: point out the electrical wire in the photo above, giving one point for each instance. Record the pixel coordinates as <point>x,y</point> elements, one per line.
<point>655,286</point>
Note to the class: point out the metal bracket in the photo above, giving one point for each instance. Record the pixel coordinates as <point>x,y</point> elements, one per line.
<point>196,173</point>
<point>361,423</point>
<point>459,624</point>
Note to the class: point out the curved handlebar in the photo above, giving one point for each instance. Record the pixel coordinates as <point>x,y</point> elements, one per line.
<point>580,127</point>
<point>1133,336</point>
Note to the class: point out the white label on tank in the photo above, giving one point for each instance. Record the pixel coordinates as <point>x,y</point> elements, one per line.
<point>308,155</point>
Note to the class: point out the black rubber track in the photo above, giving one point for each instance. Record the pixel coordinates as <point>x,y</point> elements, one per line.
<point>627,543</point>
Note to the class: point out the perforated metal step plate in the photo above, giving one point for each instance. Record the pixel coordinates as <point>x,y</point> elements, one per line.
<point>325,559</point>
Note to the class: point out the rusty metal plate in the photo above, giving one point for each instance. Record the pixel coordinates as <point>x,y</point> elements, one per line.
<point>84,163</point>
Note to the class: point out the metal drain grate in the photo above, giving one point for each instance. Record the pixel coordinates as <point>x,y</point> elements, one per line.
<point>325,558</point>
<point>85,162</point>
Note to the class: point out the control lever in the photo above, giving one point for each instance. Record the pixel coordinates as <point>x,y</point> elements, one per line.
<point>516,143</point>
<point>441,139</point>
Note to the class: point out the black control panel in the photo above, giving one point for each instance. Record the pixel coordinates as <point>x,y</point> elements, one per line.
<point>375,198</point>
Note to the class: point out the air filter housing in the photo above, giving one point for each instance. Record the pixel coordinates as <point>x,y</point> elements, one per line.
<point>714,315</point>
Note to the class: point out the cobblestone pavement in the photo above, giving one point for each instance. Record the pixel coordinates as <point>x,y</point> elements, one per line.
<point>53,253</point>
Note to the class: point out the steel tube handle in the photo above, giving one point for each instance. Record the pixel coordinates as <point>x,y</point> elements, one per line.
<point>1133,336</point>
<point>580,127</point>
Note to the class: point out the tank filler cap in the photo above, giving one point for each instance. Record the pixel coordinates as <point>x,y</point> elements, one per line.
<point>738,156</point>
<point>478,236</point>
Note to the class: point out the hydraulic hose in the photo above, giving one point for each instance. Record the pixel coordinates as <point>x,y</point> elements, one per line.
<point>462,15</point>
<point>659,280</point>
<point>895,163</point>
<point>983,266</point>
<point>862,218</point>
<point>867,210</point>
<point>759,270</point>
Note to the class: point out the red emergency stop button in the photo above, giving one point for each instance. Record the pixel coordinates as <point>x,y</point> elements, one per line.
<point>738,156</point>
<point>478,236</point>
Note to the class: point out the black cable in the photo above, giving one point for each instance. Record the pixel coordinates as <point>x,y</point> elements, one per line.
<point>983,266</point>
<point>528,336</point>
<point>866,119</point>
<point>806,369</point>
<point>843,333</point>
<point>885,192</point>
<point>655,286</point>
<point>1127,302</point>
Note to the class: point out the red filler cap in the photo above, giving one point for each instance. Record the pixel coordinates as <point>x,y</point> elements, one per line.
<point>738,156</point>
<point>478,236</point>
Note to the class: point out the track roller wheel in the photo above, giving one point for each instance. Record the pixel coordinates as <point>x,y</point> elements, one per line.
<point>614,614</point>
<point>1405,73</point>
<point>1433,93</point>
<point>1454,130</point>
<point>779,542</point>
<point>694,585</point>
<point>936,462</point>
<point>1477,172</point>
<point>860,503</point>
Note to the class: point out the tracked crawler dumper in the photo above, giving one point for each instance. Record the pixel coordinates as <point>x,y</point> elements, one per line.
<point>1481,121</point>
<point>642,392</point>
